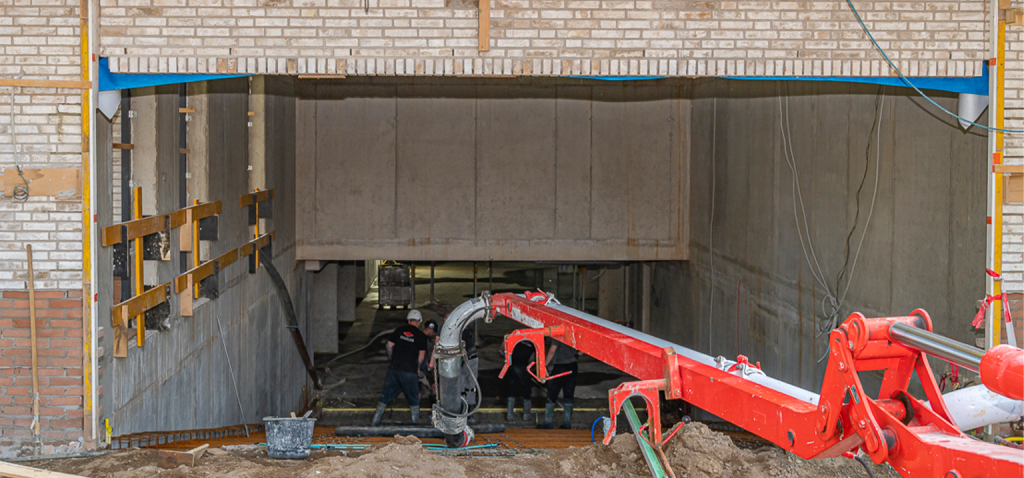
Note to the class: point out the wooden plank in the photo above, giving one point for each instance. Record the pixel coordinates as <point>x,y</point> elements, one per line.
<point>185,300</point>
<point>1013,192</point>
<point>146,226</point>
<point>123,146</point>
<point>111,235</point>
<point>484,33</point>
<point>186,110</point>
<point>173,459</point>
<point>139,304</point>
<point>227,258</point>
<point>120,326</point>
<point>153,224</point>
<point>81,85</point>
<point>246,199</point>
<point>199,273</point>
<point>20,471</point>
<point>254,244</point>
<point>62,182</point>
<point>185,232</point>
<point>184,150</point>
<point>1007,169</point>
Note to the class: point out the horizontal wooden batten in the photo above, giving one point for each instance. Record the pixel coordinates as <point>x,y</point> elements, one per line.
<point>141,227</point>
<point>247,199</point>
<point>139,304</point>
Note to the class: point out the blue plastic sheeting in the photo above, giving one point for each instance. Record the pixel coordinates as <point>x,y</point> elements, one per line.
<point>119,81</point>
<point>976,85</point>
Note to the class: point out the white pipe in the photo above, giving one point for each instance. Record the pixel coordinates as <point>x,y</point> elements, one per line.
<point>977,406</point>
<point>93,230</point>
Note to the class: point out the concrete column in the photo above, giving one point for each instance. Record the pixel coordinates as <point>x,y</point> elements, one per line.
<point>347,288</point>
<point>324,310</point>
<point>610,294</point>
<point>155,165</point>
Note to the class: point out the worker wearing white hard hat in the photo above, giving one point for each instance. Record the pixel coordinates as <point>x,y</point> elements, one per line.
<point>407,347</point>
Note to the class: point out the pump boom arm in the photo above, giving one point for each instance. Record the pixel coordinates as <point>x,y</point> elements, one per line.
<point>915,438</point>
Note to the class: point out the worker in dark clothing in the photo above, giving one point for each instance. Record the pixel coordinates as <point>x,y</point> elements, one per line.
<point>519,383</point>
<point>407,348</point>
<point>561,358</point>
<point>426,377</point>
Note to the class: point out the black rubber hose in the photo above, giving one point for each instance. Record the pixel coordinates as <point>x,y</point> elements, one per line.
<point>867,468</point>
<point>289,311</point>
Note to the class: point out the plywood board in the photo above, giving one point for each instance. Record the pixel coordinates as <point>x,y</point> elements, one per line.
<point>1013,192</point>
<point>60,182</point>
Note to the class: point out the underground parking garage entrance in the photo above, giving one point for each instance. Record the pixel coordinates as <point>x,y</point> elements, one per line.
<point>728,217</point>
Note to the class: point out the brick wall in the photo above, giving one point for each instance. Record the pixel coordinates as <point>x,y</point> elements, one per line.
<point>541,37</point>
<point>41,42</point>
<point>59,340</point>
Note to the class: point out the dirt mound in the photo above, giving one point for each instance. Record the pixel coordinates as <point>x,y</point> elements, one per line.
<point>695,452</point>
<point>699,452</point>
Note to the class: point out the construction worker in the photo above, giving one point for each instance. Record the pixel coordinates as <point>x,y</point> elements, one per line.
<point>561,358</point>
<point>407,347</point>
<point>427,367</point>
<point>519,383</point>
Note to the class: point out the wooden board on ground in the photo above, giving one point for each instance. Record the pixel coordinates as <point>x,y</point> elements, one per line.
<point>19,471</point>
<point>174,459</point>
<point>60,182</point>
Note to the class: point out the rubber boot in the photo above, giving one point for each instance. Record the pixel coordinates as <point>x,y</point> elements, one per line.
<point>415,412</point>
<point>527,414</point>
<point>549,414</point>
<point>511,415</point>
<point>379,413</point>
<point>567,416</point>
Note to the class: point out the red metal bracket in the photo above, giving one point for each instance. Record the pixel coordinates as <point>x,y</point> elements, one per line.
<point>537,337</point>
<point>649,391</point>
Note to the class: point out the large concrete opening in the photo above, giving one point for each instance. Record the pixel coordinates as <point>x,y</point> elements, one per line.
<point>671,202</point>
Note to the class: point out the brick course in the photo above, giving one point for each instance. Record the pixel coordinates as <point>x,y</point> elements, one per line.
<point>542,37</point>
<point>59,341</point>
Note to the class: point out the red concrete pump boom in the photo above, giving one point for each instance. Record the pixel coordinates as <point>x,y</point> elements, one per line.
<point>917,439</point>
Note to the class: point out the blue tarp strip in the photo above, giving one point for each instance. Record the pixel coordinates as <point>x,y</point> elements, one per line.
<point>120,81</point>
<point>976,85</point>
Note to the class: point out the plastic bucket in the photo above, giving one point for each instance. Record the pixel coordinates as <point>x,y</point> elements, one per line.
<point>289,438</point>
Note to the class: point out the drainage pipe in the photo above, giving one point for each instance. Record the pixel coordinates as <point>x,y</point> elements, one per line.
<point>977,406</point>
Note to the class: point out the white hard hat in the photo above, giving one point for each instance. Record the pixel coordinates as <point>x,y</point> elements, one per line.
<point>414,315</point>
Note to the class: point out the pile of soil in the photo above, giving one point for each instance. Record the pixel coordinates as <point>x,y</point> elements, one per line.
<point>695,452</point>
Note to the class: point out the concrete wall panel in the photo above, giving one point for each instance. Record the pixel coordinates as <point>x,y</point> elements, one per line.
<point>435,162</point>
<point>463,169</point>
<point>749,287</point>
<point>516,163</point>
<point>355,161</point>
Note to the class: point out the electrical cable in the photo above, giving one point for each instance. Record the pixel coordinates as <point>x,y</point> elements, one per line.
<point>863,179</point>
<point>20,192</point>
<point>918,90</point>
<point>867,468</point>
<point>592,428</point>
<point>832,301</point>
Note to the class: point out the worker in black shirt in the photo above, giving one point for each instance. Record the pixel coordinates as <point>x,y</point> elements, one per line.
<point>519,383</point>
<point>561,358</point>
<point>407,348</point>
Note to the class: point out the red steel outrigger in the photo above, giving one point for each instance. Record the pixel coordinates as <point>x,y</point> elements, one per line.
<point>897,428</point>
